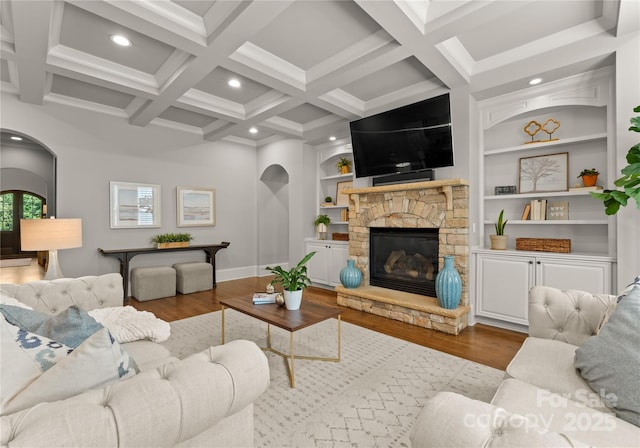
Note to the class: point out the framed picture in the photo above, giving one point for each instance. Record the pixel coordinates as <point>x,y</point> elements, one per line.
<point>196,206</point>
<point>544,173</point>
<point>341,198</point>
<point>134,205</point>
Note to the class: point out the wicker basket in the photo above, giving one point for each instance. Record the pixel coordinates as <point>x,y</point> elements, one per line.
<point>544,244</point>
<point>340,236</point>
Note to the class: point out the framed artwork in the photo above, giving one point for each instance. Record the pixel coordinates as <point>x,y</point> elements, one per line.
<point>341,198</point>
<point>196,206</point>
<point>134,205</point>
<point>544,173</point>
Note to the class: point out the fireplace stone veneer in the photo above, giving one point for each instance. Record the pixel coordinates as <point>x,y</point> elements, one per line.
<point>436,204</point>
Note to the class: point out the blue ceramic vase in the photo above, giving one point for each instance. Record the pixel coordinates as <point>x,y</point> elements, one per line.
<point>448,285</point>
<point>350,276</point>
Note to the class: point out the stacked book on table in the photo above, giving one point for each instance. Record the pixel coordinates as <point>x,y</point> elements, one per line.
<point>260,298</point>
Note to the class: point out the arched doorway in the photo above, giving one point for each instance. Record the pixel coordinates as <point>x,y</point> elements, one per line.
<point>14,206</point>
<point>27,186</point>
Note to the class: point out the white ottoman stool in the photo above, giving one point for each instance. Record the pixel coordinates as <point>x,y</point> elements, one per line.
<point>153,283</point>
<point>193,277</point>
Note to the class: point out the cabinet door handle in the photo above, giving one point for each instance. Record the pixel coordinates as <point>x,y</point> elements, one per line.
<point>538,262</point>
<point>530,261</point>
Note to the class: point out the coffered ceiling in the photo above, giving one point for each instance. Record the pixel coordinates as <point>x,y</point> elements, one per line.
<point>306,67</point>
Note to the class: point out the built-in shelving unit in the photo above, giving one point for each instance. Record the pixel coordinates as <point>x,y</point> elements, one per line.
<point>328,180</point>
<point>582,106</point>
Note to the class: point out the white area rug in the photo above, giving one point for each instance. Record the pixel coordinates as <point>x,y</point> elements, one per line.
<point>369,399</point>
<point>14,262</point>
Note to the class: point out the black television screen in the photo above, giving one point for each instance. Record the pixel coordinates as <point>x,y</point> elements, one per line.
<point>411,138</point>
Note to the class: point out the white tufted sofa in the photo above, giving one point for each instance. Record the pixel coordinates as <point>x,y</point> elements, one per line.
<point>543,400</point>
<point>203,400</point>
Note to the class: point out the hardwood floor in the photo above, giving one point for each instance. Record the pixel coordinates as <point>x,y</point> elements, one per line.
<point>484,344</point>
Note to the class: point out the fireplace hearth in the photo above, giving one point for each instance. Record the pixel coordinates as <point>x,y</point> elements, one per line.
<point>404,259</point>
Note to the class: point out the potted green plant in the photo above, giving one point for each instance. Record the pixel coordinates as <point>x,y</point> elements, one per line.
<point>630,180</point>
<point>322,223</point>
<point>589,177</point>
<point>292,281</point>
<point>344,165</point>
<point>167,240</point>
<point>499,240</point>
<point>328,200</point>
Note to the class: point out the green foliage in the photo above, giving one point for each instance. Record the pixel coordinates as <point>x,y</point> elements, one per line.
<point>322,219</point>
<point>6,212</point>
<point>588,172</point>
<point>328,199</point>
<point>343,162</point>
<point>630,180</point>
<point>501,223</point>
<point>171,238</point>
<point>295,278</point>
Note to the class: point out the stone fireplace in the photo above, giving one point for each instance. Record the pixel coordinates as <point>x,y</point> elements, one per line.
<point>435,207</point>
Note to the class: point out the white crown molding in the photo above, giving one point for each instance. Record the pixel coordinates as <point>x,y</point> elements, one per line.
<point>321,122</point>
<point>171,67</point>
<point>68,61</point>
<point>280,124</point>
<point>176,126</point>
<point>346,101</point>
<point>264,102</point>
<point>257,58</point>
<point>240,141</point>
<point>458,56</point>
<point>212,104</point>
<point>77,103</point>
<point>416,12</point>
<point>407,95</point>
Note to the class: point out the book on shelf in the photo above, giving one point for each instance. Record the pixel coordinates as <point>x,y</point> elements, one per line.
<point>260,298</point>
<point>538,209</point>
<point>526,213</point>
<point>594,188</point>
<point>344,214</point>
<point>558,210</point>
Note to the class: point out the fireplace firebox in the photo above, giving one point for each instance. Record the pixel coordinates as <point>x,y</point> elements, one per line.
<point>404,259</point>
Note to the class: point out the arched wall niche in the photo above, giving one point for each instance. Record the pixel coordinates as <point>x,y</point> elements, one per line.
<point>28,165</point>
<point>273,216</point>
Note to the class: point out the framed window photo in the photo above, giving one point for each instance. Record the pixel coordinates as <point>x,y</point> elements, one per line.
<point>341,198</point>
<point>134,205</point>
<point>196,206</point>
<point>544,173</point>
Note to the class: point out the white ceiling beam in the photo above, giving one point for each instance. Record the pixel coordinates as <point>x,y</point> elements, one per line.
<point>627,15</point>
<point>32,23</point>
<point>251,18</point>
<point>390,17</point>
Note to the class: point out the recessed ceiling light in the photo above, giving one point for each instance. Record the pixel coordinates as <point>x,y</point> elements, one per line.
<point>119,39</point>
<point>535,81</point>
<point>16,138</point>
<point>233,82</point>
<point>253,130</point>
<point>332,138</point>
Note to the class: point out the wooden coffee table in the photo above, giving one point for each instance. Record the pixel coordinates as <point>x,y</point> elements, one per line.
<point>291,321</point>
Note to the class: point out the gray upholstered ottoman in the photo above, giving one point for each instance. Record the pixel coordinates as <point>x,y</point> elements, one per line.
<point>153,282</point>
<point>193,277</point>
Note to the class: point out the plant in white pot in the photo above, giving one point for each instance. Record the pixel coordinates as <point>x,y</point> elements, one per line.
<point>293,281</point>
<point>499,240</point>
<point>322,222</point>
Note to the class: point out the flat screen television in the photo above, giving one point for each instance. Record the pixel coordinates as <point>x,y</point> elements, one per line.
<point>407,139</point>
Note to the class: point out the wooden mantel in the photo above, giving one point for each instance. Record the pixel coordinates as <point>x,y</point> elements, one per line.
<point>408,186</point>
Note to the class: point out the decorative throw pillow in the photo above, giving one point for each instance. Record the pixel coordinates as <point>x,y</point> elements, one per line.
<point>609,361</point>
<point>612,307</point>
<point>93,357</point>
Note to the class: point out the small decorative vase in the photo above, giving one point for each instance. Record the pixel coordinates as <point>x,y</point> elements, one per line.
<point>448,285</point>
<point>350,276</point>
<point>293,299</point>
<point>344,169</point>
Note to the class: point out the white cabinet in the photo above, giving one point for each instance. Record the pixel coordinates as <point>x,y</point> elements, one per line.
<point>325,266</point>
<point>503,279</point>
<point>582,105</point>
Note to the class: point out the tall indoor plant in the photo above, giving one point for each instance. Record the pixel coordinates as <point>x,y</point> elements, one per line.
<point>293,281</point>
<point>630,180</point>
<point>499,240</point>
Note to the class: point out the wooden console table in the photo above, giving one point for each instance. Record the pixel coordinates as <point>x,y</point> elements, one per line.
<point>125,256</point>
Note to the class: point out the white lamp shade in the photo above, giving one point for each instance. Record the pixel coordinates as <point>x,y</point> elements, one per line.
<point>50,234</point>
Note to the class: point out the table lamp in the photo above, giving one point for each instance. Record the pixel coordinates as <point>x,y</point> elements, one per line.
<point>50,234</point>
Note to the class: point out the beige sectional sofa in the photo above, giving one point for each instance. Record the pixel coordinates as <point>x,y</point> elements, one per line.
<point>203,400</point>
<point>544,400</point>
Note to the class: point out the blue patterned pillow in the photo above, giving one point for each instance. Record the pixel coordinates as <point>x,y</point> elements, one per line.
<point>55,357</point>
